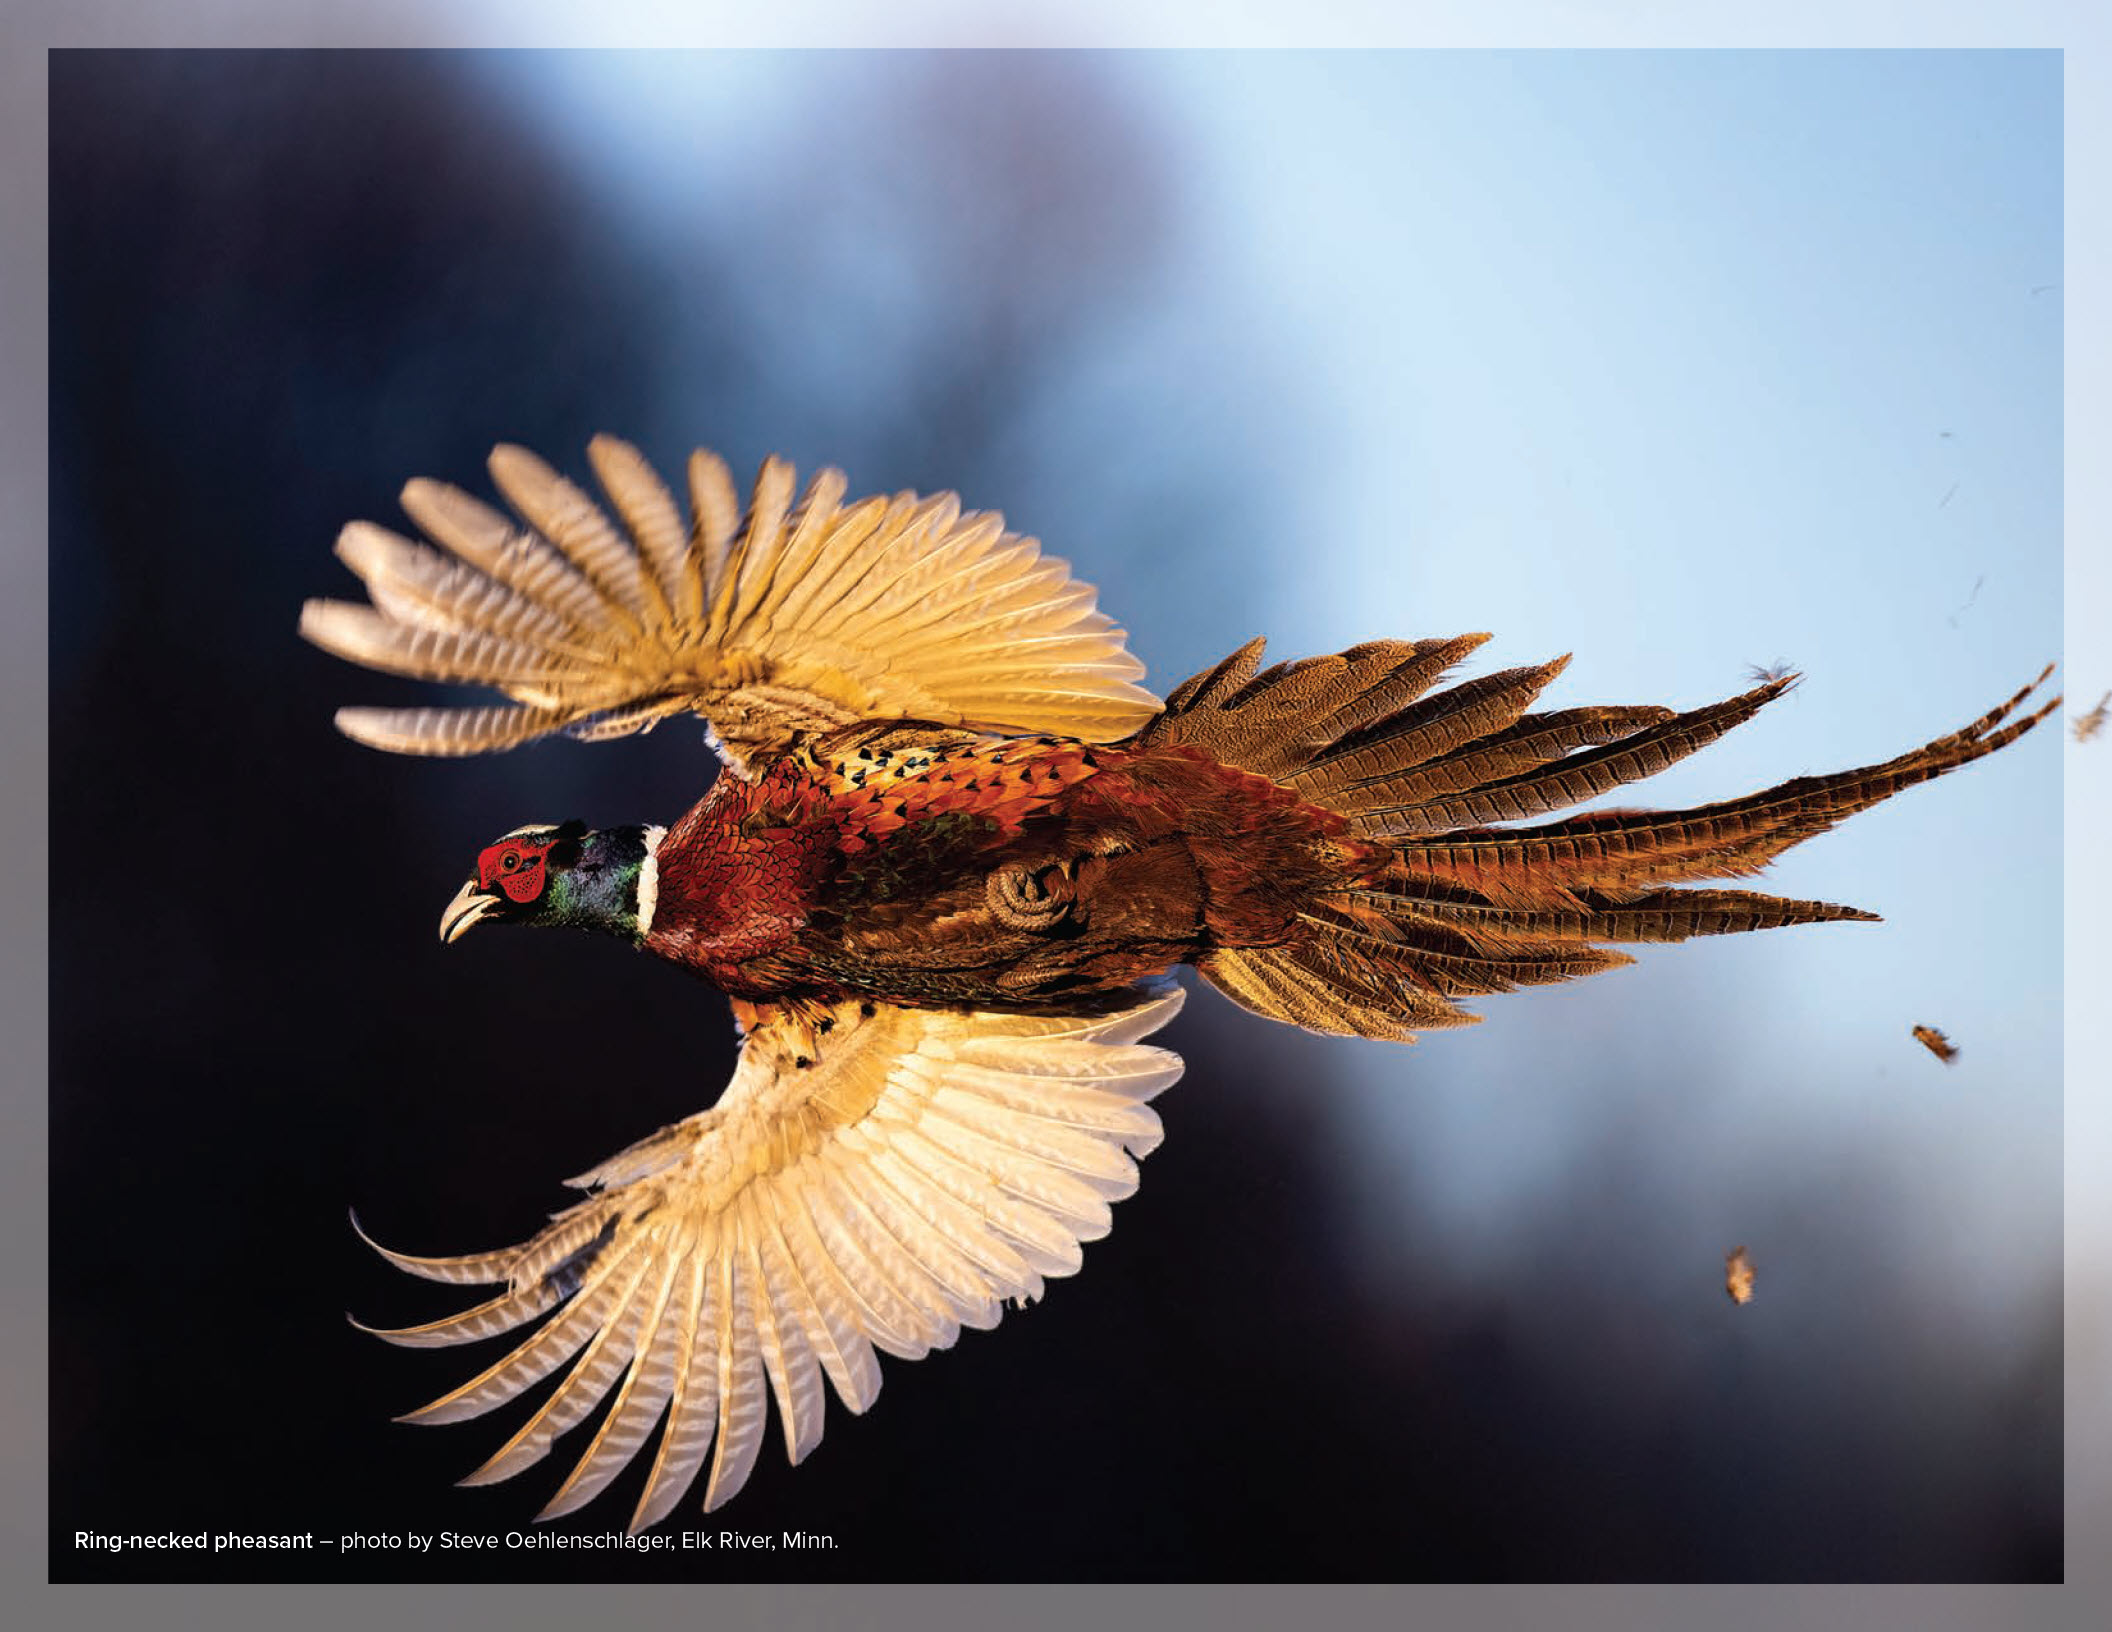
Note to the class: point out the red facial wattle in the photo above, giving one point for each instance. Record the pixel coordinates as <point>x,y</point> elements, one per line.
<point>514,867</point>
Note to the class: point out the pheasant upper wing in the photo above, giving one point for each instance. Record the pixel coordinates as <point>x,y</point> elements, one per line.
<point>897,1183</point>
<point>793,616</point>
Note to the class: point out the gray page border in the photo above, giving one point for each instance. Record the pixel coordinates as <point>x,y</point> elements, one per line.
<point>31,31</point>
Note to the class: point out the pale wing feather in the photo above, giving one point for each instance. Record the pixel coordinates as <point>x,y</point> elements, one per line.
<point>788,619</point>
<point>1089,1110</point>
<point>930,1260</point>
<point>638,1403</point>
<point>567,1233</point>
<point>852,1329</point>
<point>411,583</point>
<point>520,561</point>
<point>756,551</point>
<point>894,564</point>
<point>914,584</point>
<point>649,513</point>
<point>446,730</point>
<point>714,523</point>
<point>811,602</point>
<point>502,1314</point>
<point>742,1402</point>
<point>692,1408</point>
<point>833,1343</point>
<point>1054,1146</point>
<point>795,1377</point>
<point>811,530</point>
<point>1001,1270</point>
<point>1042,1225</point>
<point>368,636</point>
<point>1010,580</point>
<point>1008,1227</point>
<point>926,1167</point>
<point>862,1251</point>
<point>599,1364</point>
<point>534,1360</point>
<point>1003,577</point>
<point>573,522</point>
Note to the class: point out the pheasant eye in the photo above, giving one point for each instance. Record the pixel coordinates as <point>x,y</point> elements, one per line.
<point>510,860</point>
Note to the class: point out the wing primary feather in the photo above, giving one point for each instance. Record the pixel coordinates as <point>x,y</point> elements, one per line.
<point>827,1311</point>
<point>361,634</point>
<point>564,515</point>
<point>692,1411</point>
<point>648,511</point>
<point>741,1398</point>
<point>843,1232</point>
<point>606,1354</point>
<point>568,1233</point>
<point>795,1378</point>
<point>500,1314</point>
<point>755,554</point>
<point>445,732</point>
<point>534,1359</point>
<point>845,556</point>
<point>715,520</point>
<point>637,1406</point>
<point>413,584</point>
<point>1003,1271</point>
<point>799,555</point>
<point>521,561</point>
<point>924,1258</point>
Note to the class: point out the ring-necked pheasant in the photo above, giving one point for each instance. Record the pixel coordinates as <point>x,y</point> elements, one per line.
<point>957,853</point>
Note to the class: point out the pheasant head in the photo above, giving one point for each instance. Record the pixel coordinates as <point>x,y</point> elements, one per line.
<point>566,875</point>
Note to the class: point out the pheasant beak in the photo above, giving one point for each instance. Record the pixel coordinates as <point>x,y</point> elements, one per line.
<point>469,905</point>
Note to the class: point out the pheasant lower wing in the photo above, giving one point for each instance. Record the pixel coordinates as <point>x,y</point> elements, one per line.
<point>873,1177</point>
<point>793,616</point>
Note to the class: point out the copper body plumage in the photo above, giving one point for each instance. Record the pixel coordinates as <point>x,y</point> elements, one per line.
<point>953,855</point>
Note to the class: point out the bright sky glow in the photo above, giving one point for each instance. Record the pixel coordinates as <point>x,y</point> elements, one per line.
<point>1679,362</point>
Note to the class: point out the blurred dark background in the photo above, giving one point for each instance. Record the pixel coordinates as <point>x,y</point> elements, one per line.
<point>281,284</point>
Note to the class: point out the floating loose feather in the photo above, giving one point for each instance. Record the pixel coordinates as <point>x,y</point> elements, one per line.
<point>1738,1276</point>
<point>2089,725</point>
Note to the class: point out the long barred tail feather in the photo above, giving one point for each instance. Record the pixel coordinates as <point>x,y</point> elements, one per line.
<point>1453,906</point>
<point>1628,849</point>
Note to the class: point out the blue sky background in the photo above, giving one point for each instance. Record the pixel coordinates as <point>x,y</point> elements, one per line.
<point>1681,362</point>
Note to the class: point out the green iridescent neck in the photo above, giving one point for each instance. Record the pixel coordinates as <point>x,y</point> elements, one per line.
<point>608,887</point>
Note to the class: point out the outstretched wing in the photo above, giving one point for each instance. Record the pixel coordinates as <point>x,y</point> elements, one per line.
<point>873,1177</point>
<point>794,616</point>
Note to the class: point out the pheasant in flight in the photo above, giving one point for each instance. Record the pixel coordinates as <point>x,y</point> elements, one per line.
<point>956,855</point>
